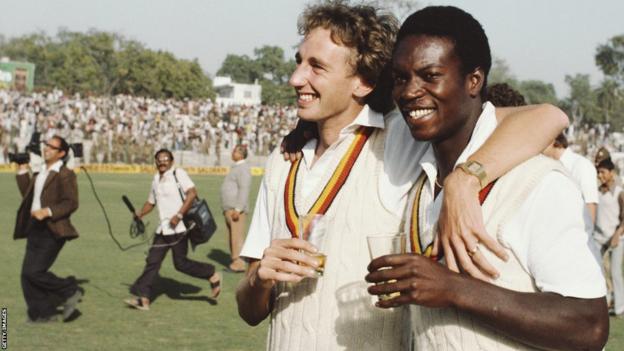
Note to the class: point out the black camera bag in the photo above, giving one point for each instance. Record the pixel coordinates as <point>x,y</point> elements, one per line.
<point>199,221</point>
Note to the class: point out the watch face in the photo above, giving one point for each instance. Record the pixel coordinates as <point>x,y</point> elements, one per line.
<point>474,167</point>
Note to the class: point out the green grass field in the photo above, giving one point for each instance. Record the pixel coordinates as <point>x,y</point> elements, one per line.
<point>182,316</point>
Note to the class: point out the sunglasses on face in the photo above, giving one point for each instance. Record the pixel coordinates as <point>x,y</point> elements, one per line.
<point>52,146</point>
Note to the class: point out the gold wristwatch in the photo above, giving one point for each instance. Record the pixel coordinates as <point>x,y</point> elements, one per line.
<point>476,169</point>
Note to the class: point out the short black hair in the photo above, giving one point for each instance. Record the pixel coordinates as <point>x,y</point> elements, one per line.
<point>163,150</point>
<point>606,164</point>
<point>64,145</point>
<point>561,141</point>
<point>471,44</point>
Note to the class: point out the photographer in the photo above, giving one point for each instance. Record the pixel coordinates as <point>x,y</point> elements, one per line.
<point>49,198</point>
<point>166,192</point>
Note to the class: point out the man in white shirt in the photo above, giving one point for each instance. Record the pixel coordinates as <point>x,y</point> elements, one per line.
<point>581,170</point>
<point>358,174</point>
<point>174,192</point>
<point>550,293</point>
<point>610,228</point>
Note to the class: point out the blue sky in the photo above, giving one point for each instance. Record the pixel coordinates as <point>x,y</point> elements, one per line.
<point>539,39</point>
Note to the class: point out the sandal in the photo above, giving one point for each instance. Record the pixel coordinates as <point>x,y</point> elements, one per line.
<point>137,303</point>
<point>215,286</point>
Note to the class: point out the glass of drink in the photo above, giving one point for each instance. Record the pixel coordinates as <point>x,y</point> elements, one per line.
<point>381,245</point>
<point>312,228</point>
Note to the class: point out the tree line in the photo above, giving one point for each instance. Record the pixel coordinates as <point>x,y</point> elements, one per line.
<point>103,63</point>
<point>267,67</point>
<point>585,104</point>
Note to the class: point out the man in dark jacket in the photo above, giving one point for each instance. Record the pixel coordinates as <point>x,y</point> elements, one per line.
<point>49,197</point>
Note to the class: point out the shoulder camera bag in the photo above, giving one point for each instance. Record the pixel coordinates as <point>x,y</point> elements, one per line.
<point>199,221</point>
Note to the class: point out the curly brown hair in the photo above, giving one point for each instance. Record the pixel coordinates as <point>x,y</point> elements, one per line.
<point>503,95</point>
<point>368,32</point>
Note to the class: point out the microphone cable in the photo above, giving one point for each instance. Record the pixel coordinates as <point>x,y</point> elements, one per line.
<point>134,228</point>
<point>137,227</point>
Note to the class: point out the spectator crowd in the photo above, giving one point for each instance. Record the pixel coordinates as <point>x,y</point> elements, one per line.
<point>128,129</point>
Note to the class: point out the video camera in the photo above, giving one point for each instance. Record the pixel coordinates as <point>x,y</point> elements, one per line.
<point>19,158</point>
<point>33,146</point>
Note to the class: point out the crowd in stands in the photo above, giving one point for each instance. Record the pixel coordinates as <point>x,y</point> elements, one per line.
<point>128,129</point>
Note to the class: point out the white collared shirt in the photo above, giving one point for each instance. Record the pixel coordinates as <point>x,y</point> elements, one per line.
<point>583,173</point>
<point>401,167</point>
<point>313,171</point>
<point>608,214</point>
<point>548,234</point>
<point>165,194</point>
<point>40,182</point>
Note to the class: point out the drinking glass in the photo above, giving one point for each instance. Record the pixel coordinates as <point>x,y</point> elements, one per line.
<point>312,228</point>
<point>381,245</point>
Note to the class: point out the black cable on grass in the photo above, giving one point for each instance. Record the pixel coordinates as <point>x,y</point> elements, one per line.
<point>134,230</point>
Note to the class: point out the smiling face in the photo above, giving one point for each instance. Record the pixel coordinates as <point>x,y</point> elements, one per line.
<point>324,81</point>
<point>163,162</point>
<point>435,97</point>
<point>52,151</point>
<point>605,176</point>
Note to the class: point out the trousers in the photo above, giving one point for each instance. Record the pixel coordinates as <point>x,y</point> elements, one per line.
<point>236,230</point>
<point>617,255</point>
<point>178,243</point>
<point>42,289</point>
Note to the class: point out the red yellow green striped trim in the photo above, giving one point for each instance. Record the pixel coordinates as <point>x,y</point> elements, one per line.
<point>333,186</point>
<point>415,242</point>
<point>292,217</point>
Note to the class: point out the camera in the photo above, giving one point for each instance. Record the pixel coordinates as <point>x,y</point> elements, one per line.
<point>33,146</point>
<point>19,158</point>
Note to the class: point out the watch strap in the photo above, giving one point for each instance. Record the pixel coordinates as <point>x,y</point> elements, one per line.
<point>476,169</point>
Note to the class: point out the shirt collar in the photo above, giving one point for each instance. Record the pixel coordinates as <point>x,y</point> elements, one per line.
<point>607,188</point>
<point>239,162</point>
<point>56,167</point>
<point>486,124</point>
<point>168,173</point>
<point>366,118</point>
